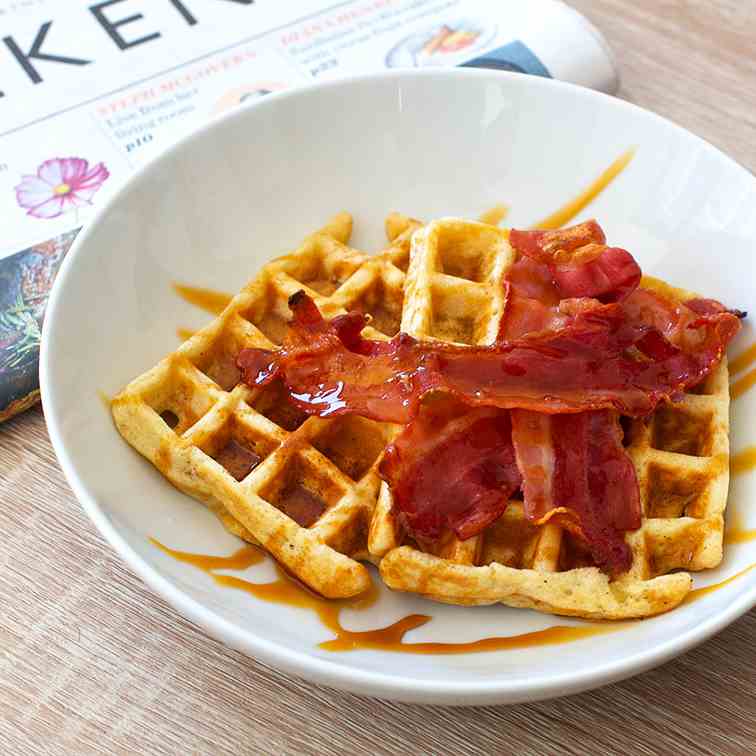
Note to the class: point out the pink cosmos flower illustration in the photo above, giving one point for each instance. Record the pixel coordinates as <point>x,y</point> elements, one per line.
<point>61,184</point>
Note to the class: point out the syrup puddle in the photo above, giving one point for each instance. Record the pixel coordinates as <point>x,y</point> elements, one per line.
<point>567,212</point>
<point>290,592</point>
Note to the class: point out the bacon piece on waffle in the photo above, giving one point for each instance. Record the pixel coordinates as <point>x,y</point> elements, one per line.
<point>575,470</point>
<point>601,360</point>
<point>574,467</point>
<point>451,467</point>
<point>580,262</point>
<point>532,301</point>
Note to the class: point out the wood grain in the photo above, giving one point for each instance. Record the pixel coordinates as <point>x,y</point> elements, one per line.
<point>92,662</point>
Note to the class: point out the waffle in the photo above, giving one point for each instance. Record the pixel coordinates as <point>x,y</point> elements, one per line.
<point>189,415</point>
<point>259,463</point>
<point>453,293</point>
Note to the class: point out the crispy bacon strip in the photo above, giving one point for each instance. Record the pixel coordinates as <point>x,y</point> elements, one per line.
<point>576,473</point>
<point>598,361</point>
<point>585,480</point>
<point>580,262</point>
<point>532,301</point>
<point>545,246</point>
<point>555,454</point>
<point>452,467</point>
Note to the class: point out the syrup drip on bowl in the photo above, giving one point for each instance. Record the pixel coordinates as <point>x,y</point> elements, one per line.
<point>289,591</point>
<point>735,532</point>
<point>567,212</point>
<point>208,300</point>
<point>494,215</point>
<point>744,461</point>
<point>242,558</point>
<point>391,639</point>
<point>739,387</point>
<point>698,593</point>
<point>745,359</point>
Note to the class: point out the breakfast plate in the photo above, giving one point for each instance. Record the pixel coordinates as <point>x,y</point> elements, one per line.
<point>212,210</point>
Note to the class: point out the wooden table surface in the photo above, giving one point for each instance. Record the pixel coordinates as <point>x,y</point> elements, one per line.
<point>92,662</point>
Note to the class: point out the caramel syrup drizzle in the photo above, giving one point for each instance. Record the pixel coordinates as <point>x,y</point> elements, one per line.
<point>568,211</point>
<point>739,535</point>
<point>244,557</point>
<point>735,530</point>
<point>289,591</point>
<point>744,461</point>
<point>494,215</point>
<point>745,359</point>
<point>698,593</point>
<point>739,387</point>
<point>185,333</point>
<point>208,300</point>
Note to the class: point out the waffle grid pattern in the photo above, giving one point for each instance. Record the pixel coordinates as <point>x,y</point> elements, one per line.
<point>295,464</point>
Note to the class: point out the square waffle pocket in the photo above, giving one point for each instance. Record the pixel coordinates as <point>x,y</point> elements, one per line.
<point>681,455</point>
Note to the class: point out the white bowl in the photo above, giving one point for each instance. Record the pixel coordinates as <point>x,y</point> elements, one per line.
<point>248,187</point>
